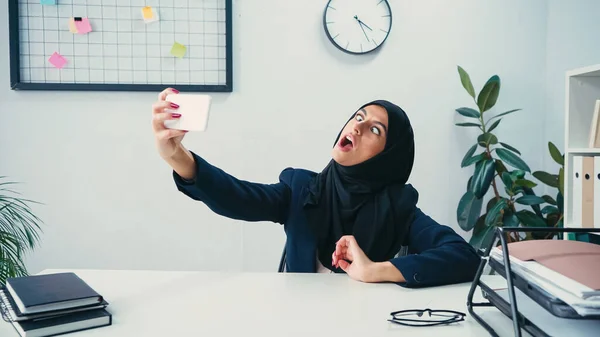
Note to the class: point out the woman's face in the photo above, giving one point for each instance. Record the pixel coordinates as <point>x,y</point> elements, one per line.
<point>363,137</point>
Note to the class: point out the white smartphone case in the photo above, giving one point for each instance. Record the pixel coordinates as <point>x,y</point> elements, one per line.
<point>194,111</point>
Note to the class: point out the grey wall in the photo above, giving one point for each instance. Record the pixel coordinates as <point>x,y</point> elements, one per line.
<point>110,202</point>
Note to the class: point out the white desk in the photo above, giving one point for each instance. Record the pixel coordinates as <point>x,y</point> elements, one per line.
<point>157,303</point>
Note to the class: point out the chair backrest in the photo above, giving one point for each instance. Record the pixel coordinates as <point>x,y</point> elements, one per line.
<point>282,262</point>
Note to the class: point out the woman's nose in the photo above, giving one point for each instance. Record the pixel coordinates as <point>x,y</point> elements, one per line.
<point>358,128</point>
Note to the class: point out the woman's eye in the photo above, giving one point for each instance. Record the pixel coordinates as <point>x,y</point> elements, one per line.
<point>375,130</point>
<point>359,118</point>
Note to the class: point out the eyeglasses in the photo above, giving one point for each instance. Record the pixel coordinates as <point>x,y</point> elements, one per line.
<point>416,317</point>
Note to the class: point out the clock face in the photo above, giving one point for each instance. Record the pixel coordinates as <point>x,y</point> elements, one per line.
<point>357,26</point>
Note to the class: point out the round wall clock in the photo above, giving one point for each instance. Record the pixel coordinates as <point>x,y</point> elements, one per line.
<point>357,26</point>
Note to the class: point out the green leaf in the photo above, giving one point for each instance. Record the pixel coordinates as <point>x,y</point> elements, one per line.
<point>555,153</point>
<point>486,139</point>
<point>491,204</point>
<point>508,147</point>
<point>468,155</point>
<point>535,207</point>
<point>552,217</point>
<point>530,200</point>
<point>469,124</point>
<point>465,79</point>
<point>500,168</point>
<point>546,178</point>
<point>549,199</point>
<point>479,225</point>
<point>18,232</point>
<point>469,183</point>
<point>494,214</point>
<point>560,202</point>
<point>495,125</point>
<point>503,114</point>
<point>468,112</point>
<point>489,94</point>
<point>561,181</point>
<point>474,159</point>
<point>510,220</point>
<point>530,219</point>
<point>483,235</point>
<point>468,210</point>
<point>512,159</point>
<point>482,177</point>
<point>507,180</point>
<point>525,182</point>
<point>550,210</point>
<point>517,174</point>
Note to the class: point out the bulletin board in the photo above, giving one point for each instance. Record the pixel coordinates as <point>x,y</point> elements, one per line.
<point>129,45</point>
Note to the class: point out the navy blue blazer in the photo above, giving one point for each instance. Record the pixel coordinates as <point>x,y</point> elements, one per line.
<point>437,255</point>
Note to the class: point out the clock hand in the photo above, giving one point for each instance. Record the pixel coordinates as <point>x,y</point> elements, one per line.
<point>364,33</point>
<point>362,23</point>
<point>359,23</point>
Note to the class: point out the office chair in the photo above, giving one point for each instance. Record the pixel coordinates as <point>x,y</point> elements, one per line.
<point>282,262</point>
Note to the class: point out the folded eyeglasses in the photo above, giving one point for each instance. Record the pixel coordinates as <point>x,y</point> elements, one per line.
<point>426,317</point>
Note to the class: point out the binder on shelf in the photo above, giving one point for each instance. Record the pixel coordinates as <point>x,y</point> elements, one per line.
<point>596,179</point>
<point>526,312</point>
<point>587,196</point>
<point>577,190</point>
<point>594,139</point>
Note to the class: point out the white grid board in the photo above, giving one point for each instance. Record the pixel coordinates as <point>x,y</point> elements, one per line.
<point>122,48</point>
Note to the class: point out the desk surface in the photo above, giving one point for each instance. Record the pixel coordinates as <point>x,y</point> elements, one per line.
<point>162,303</point>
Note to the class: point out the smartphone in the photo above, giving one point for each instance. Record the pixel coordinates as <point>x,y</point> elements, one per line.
<point>194,109</point>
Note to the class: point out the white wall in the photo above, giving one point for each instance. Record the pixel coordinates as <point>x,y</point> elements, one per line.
<point>110,201</point>
<point>572,42</point>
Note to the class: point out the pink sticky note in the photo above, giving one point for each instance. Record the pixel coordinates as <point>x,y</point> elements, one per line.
<point>57,60</point>
<point>83,26</point>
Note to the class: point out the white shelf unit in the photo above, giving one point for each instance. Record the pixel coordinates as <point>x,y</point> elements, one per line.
<point>582,91</point>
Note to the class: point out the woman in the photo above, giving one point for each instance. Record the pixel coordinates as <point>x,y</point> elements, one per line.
<point>353,217</point>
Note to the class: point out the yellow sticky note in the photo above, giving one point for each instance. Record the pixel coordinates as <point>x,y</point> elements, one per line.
<point>147,12</point>
<point>72,26</point>
<point>178,50</point>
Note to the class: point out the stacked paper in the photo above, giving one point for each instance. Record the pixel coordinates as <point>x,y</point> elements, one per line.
<point>564,285</point>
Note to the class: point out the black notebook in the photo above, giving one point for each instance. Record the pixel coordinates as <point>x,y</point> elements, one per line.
<point>10,312</point>
<point>49,292</point>
<point>59,325</point>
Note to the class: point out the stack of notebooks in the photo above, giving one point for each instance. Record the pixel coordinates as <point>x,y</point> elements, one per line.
<point>52,304</point>
<point>557,285</point>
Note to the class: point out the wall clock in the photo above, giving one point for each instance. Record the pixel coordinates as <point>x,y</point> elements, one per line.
<point>357,26</point>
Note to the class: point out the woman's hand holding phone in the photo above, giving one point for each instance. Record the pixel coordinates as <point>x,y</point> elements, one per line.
<point>168,141</point>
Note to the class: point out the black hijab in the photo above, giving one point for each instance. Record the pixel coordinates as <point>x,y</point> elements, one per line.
<point>370,200</point>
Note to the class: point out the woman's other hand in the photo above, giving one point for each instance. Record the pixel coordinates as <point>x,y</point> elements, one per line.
<point>351,259</point>
<point>167,140</point>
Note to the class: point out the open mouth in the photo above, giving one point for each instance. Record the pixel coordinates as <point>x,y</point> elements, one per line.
<point>346,144</point>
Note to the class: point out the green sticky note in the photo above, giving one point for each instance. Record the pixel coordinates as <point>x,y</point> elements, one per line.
<point>178,50</point>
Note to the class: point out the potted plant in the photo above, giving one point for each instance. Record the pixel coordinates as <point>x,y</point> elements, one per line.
<point>19,231</point>
<point>513,203</point>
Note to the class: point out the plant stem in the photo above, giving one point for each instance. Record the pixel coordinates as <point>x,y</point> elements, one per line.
<point>549,235</point>
<point>489,154</point>
<point>511,236</point>
<point>494,186</point>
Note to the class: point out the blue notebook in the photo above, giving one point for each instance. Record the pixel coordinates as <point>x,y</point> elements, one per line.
<point>50,292</point>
